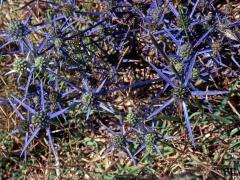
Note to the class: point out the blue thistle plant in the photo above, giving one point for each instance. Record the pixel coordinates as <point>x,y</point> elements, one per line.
<point>70,11</point>
<point>193,42</point>
<point>119,140</point>
<point>37,119</point>
<point>155,13</point>
<point>181,93</point>
<point>40,64</point>
<point>132,118</point>
<point>34,68</point>
<point>19,32</point>
<point>90,98</point>
<point>149,139</point>
<point>55,37</point>
<point>21,67</point>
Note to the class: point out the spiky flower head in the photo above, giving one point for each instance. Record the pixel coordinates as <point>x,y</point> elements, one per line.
<point>151,137</point>
<point>179,66</point>
<point>154,13</point>
<point>119,141</point>
<point>195,73</point>
<point>216,47</point>
<point>185,51</point>
<point>181,92</point>
<point>58,42</point>
<point>86,99</point>
<point>18,30</point>
<point>132,118</point>
<point>20,65</point>
<point>40,63</point>
<point>150,148</point>
<point>40,119</point>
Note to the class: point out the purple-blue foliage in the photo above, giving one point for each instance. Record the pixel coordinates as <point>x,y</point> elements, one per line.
<point>78,63</point>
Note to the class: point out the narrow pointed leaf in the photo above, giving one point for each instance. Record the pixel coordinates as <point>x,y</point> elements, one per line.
<point>101,86</point>
<point>156,98</point>
<point>202,38</point>
<point>173,9</point>
<point>88,112</point>
<point>51,141</point>
<point>188,124</point>
<point>58,113</point>
<point>194,8</point>
<point>164,77</point>
<point>42,96</point>
<point>130,155</point>
<point>25,141</point>
<point>28,83</point>
<point>109,130</point>
<point>101,105</point>
<point>33,135</point>
<point>107,151</point>
<point>208,93</point>
<point>85,85</point>
<point>16,110</point>
<point>189,72</point>
<point>167,103</point>
<point>158,150</point>
<point>140,149</point>
<point>60,108</point>
<point>24,105</point>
